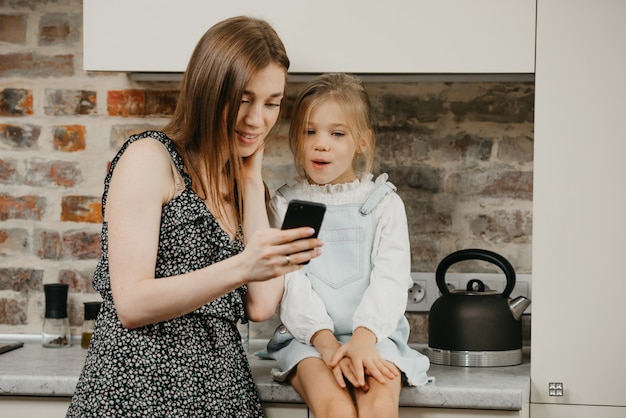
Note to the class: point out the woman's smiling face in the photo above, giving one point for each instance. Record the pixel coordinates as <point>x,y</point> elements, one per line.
<point>259,108</point>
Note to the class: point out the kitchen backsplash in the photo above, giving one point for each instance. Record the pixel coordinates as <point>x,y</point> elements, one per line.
<point>460,153</point>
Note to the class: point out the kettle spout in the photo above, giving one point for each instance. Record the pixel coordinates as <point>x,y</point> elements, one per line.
<point>518,306</point>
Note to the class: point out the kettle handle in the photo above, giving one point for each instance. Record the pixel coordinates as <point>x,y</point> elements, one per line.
<point>475,254</point>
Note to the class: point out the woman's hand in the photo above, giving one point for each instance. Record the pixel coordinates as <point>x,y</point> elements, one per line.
<point>273,252</point>
<point>364,360</point>
<point>253,164</point>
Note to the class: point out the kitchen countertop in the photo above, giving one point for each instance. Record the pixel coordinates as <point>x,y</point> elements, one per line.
<point>36,371</point>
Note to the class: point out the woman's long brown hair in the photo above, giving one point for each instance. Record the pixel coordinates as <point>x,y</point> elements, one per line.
<point>203,124</point>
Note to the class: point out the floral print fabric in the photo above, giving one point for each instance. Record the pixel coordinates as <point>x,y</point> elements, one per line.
<point>190,366</point>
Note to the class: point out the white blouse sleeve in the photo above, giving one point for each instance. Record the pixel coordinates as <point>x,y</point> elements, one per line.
<point>276,210</point>
<point>302,311</point>
<point>384,301</point>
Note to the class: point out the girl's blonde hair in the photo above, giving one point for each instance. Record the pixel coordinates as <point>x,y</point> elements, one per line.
<point>203,124</point>
<point>350,95</point>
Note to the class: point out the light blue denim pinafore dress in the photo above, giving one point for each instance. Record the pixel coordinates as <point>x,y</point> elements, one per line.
<point>340,277</point>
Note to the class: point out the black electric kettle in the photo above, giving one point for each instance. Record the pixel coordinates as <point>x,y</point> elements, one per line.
<point>476,326</point>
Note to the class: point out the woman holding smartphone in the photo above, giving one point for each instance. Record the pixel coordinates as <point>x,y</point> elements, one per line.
<point>186,246</point>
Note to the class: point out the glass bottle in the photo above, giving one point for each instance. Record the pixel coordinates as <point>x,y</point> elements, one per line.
<point>91,312</point>
<point>56,326</point>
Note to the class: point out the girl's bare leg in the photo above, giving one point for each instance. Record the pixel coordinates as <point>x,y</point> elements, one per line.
<point>381,400</point>
<point>316,384</point>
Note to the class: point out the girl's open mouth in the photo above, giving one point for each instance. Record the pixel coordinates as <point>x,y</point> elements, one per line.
<point>319,163</point>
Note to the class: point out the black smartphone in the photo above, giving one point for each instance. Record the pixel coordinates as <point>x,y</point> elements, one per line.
<point>304,213</point>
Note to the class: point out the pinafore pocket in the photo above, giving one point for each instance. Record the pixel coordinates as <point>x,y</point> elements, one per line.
<point>341,263</point>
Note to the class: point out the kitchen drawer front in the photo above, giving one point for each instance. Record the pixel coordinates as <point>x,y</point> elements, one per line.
<point>576,411</point>
<point>53,407</point>
<point>457,413</point>
<point>34,406</point>
<point>285,410</point>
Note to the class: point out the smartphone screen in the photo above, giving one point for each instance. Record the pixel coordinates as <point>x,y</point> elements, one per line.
<point>303,213</point>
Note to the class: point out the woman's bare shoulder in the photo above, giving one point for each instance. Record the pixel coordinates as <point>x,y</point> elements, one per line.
<point>146,165</point>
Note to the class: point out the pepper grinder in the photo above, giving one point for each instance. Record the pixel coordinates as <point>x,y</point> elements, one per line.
<point>91,312</point>
<point>56,325</point>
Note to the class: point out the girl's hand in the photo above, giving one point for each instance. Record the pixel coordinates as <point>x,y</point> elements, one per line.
<point>345,370</point>
<point>327,345</point>
<point>273,252</point>
<point>364,359</point>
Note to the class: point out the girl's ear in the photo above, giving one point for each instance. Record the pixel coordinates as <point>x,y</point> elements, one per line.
<point>364,141</point>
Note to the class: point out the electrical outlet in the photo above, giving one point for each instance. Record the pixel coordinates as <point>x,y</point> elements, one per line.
<point>425,291</point>
<point>416,296</point>
<point>417,293</point>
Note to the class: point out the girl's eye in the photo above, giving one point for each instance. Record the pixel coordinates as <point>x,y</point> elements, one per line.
<point>273,105</point>
<point>309,132</point>
<point>337,133</point>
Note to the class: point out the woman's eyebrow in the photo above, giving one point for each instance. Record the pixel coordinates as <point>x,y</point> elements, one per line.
<point>277,94</point>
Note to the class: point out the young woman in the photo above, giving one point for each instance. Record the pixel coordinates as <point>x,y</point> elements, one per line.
<point>186,246</point>
<point>349,354</point>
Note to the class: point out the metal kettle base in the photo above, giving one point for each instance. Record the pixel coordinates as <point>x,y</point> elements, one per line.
<point>474,358</point>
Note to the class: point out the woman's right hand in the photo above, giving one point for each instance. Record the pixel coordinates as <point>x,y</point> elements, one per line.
<point>273,252</point>
<point>270,254</point>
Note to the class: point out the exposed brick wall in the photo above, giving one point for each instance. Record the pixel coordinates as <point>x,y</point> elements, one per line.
<point>461,155</point>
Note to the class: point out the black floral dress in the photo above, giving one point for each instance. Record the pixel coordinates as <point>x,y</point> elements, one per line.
<point>191,366</point>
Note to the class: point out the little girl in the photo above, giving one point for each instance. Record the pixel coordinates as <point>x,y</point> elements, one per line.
<point>343,342</point>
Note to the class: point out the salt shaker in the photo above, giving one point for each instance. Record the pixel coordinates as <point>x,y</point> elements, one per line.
<point>56,325</point>
<point>91,312</point>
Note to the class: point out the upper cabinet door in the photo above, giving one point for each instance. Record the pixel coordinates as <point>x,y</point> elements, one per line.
<point>359,36</point>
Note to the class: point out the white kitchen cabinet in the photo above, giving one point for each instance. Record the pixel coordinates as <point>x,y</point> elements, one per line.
<point>576,411</point>
<point>34,406</point>
<point>285,410</point>
<point>458,413</point>
<point>359,36</point>
<point>579,221</point>
<point>56,407</point>
<point>407,412</point>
